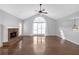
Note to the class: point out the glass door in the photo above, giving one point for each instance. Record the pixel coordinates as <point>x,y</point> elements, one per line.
<point>39,27</point>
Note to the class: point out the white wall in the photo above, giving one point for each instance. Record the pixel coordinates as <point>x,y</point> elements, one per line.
<point>65,24</point>
<point>50,26</point>
<point>1,34</point>
<point>7,21</point>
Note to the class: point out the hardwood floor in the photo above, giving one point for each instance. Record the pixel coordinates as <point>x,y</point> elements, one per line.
<point>51,45</point>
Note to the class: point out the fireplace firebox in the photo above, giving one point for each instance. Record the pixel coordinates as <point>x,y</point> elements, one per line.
<point>12,33</point>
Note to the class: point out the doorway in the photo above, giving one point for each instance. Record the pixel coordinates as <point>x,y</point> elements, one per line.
<point>39,26</point>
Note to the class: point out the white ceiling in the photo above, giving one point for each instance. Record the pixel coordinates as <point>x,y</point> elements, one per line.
<point>55,11</point>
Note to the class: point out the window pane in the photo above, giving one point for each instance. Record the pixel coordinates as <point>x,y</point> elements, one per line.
<point>39,26</point>
<point>39,19</point>
<point>35,28</point>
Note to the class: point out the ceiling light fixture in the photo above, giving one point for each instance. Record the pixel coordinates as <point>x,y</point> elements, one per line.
<point>75,27</point>
<point>41,11</point>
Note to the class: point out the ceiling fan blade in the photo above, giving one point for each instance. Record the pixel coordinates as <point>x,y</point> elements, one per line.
<point>45,12</point>
<point>36,10</point>
<point>43,9</point>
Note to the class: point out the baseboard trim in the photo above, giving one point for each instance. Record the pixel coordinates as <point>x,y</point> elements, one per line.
<point>41,35</point>
<point>33,35</point>
<point>69,41</point>
<point>73,42</point>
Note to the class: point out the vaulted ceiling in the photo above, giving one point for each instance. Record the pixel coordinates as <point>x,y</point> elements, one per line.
<point>55,11</point>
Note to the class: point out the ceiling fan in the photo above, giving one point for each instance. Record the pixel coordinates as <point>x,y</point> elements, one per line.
<point>42,10</point>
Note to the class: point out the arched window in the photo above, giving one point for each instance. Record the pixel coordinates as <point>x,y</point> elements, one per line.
<point>40,20</point>
<point>39,26</point>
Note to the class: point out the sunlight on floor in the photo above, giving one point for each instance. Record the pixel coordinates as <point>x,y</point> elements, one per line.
<point>39,44</point>
<point>20,44</point>
<point>62,36</point>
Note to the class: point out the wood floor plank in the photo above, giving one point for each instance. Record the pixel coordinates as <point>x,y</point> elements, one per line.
<point>50,45</point>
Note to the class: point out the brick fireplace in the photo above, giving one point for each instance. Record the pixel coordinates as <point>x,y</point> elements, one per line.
<point>12,33</point>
